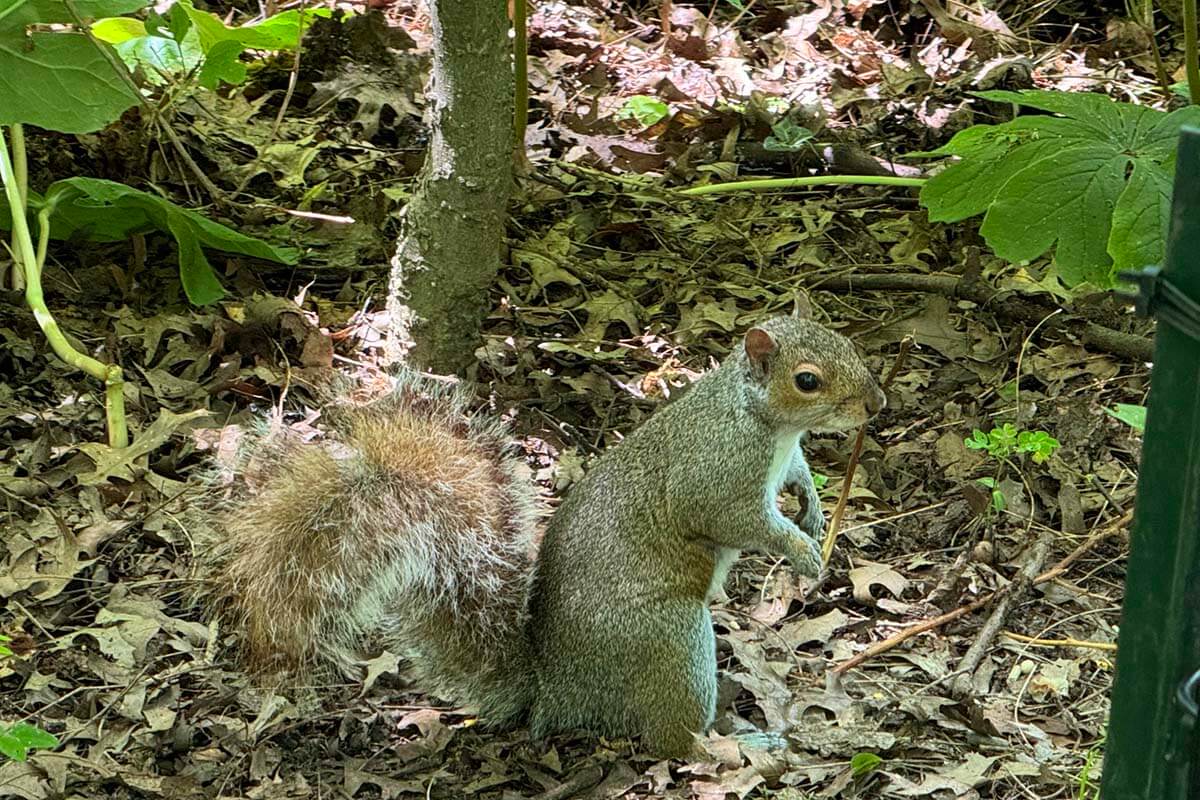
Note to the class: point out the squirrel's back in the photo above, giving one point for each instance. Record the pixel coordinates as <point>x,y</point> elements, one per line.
<point>408,523</point>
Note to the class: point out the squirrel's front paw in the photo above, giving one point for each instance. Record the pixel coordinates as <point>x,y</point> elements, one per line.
<point>805,556</point>
<point>812,518</point>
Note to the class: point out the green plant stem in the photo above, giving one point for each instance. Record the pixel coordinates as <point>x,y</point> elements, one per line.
<point>1190,50</point>
<point>796,183</point>
<point>43,236</point>
<point>520,74</point>
<point>21,176</point>
<point>1145,18</point>
<point>26,259</point>
<point>20,163</point>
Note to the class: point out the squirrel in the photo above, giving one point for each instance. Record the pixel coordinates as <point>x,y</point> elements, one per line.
<point>411,527</point>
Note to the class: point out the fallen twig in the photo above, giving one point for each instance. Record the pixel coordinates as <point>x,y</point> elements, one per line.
<point>930,624</point>
<point>961,686</point>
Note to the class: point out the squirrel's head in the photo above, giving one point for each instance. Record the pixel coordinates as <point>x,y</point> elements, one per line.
<point>813,378</point>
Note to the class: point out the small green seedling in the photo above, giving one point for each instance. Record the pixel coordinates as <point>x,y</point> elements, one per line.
<point>998,442</point>
<point>1005,441</point>
<point>644,109</point>
<point>788,137</point>
<point>998,501</point>
<point>1087,787</point>
<point>17,740</point>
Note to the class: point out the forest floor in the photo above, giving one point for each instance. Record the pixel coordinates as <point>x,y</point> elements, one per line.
<point>616,291</point>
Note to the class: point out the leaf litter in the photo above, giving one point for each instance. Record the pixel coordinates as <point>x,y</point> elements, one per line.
<point>616,294</point>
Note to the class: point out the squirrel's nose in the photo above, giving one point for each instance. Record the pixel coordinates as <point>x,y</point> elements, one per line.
<point>876,401</point>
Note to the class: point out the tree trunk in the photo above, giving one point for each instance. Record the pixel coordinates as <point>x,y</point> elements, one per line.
<point>452,230</point>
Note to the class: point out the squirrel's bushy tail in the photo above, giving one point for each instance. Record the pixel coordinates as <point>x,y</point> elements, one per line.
<point>409,527</point>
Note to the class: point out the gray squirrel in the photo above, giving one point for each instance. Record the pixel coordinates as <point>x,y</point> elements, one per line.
<point>411,527</point>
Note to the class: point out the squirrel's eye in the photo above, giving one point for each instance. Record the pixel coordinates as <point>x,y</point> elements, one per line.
<point>807,382</point>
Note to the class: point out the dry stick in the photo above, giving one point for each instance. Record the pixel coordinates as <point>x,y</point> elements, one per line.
<point>1006,304</point>
<point>961,687</point>
<point>292,76</point>
<point>937,622</point>
<point>835,521</point>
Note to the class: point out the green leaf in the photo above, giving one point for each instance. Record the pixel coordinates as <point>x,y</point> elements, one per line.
<point>88,93</point>
<point>284,29</point>
<point>787,136</point>
<point>646,110</point>
<point>223,63</point>
<point>105,207</point>
<point>179,21</point>
<point>1067,197</point>
<point>16,15</point>
<point>280,32</point>
<point>156,58</point>
<point>862,763</point>
<point>115,30</point>
<point>1091,184</point>
<point>977,440</point>
<point>188,39</point>
<point>105,211</point>
<point>32,736</point>
<point>1002,440</point>
<point>1039,443</point>
<point>990,158</point>
<point>1131,415</point>
<point>11,746</point>
<point>1142,214</point>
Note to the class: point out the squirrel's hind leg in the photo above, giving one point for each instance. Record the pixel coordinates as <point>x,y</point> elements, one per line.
<point>675,692</point>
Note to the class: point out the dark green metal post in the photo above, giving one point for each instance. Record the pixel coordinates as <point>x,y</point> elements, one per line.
<point>1151,752</point>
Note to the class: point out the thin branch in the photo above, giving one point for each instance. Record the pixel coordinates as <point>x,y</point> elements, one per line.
<point>835,521</point>
<point>961,686</point>
<point>931,624</point>
<point>520,75</point>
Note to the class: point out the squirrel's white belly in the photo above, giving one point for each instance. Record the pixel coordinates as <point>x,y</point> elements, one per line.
<point>781,460</point>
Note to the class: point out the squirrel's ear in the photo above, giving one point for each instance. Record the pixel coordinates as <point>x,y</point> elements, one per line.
<point>801,306</point>
<point>760,346</point>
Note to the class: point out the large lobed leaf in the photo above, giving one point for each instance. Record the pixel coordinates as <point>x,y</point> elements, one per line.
<point>1093,183</point>
<point>105,211</point>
